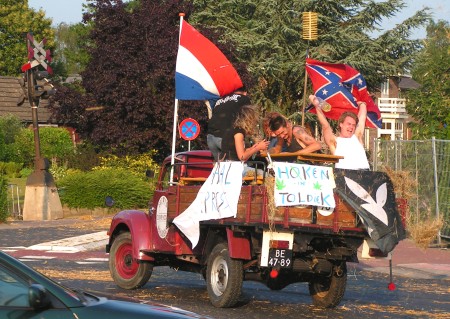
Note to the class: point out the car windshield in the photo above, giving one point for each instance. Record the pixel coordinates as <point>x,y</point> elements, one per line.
<point>16,282</point>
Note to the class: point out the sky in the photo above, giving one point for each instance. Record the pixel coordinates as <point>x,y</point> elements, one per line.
<point>70,11</point>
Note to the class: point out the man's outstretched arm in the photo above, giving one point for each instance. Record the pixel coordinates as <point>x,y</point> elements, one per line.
<point>362,115</point>
<point>327,131</point>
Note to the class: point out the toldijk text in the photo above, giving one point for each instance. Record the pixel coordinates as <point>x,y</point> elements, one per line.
<point>301,184</point>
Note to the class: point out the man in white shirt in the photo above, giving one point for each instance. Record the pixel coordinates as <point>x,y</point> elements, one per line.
<point>349,143</point>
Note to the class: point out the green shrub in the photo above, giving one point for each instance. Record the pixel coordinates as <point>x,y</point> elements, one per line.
<point>55,144</point>
<point>136,164</point>
<point>11,169</point>
<point>3,197</point>
<point>89,189</point>
<point>25,172</point>
<point>10,126</point>
<point>84,158</point>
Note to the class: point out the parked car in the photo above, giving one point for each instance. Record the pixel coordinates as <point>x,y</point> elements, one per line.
<point>26,293</point>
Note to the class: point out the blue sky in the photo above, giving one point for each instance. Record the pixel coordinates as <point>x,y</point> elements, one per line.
<point>70,11</point>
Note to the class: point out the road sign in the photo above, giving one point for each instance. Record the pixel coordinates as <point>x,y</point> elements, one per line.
<point>189,129</point>
<point>37,54</point>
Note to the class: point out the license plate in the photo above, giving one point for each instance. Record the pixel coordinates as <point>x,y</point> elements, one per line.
<point>281,258</point>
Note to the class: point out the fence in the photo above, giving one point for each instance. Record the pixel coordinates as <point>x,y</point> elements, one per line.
<point>428,163</point>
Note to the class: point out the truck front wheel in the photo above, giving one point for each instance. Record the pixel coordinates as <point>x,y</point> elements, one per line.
<point>327,292</point>
<point>224,277</point>
<point>126,271</point>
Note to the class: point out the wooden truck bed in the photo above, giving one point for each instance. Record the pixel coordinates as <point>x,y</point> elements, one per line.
<point>254,208</point>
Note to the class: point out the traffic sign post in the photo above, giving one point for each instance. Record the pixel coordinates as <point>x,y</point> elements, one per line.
<point>189,130</point>
<point>42,200</point>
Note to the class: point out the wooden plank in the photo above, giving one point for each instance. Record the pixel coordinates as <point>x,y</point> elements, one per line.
<point>346,216</point>
<point>312,157</point>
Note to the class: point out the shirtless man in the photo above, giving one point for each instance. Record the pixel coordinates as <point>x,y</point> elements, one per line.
<point>349,143</point>
<point>295,138</point>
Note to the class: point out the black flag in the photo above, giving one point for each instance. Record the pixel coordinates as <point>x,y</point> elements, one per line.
<point>372,195</point>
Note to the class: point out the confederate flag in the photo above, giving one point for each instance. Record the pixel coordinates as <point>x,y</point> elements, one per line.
<point>341,86</point>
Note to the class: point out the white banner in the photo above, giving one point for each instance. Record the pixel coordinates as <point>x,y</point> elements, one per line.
<point>301,184</point>
<point>217,198</point>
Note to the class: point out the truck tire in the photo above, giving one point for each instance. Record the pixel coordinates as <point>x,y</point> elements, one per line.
<point>224,277</point>
<point>327,292</point>
<point>127,272</point>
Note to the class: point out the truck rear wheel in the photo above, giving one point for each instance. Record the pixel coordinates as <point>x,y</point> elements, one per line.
<point>126,271</point>
<point>327,292</point>
<point>224,277</point>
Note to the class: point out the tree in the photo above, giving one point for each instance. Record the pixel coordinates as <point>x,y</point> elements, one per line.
<point>429,105</point>
<point>16,20</point>
<point>72,41</point>
<point>268,37</point>
<point>128,99</point>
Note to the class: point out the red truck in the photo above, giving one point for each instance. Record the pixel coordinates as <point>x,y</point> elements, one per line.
<point>293,244</point>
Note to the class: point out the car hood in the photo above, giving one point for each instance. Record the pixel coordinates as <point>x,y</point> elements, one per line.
<point>102,307</point>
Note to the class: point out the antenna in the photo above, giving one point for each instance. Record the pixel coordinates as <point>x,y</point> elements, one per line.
<point>309,33</point>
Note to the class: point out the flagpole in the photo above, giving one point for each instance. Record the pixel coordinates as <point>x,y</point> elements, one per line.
<point>174,138</point>
<point>175,115</point>
<point>304,88</point>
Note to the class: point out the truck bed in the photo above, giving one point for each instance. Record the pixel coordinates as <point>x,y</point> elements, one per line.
<point>254,208</point>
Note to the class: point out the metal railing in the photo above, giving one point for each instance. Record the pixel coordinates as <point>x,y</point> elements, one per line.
<point>14,207</point>
<point>392,105</point>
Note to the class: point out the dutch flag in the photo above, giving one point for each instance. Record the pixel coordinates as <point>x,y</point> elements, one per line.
<point>202,70</point>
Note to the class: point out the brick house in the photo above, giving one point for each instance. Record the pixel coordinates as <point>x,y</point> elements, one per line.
<point>392,104</point>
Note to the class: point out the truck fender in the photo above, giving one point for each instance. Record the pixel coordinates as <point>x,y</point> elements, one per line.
<point>238,245</point>
<point>138,224</point>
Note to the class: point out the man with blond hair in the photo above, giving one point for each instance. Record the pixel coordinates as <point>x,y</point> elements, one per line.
<point>349,142</point>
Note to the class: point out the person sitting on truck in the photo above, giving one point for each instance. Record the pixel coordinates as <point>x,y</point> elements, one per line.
<point>296,138</point>
<point>223,115</point>
<point>349,143</point>
<point>269,135</point>
<point>245,126</point>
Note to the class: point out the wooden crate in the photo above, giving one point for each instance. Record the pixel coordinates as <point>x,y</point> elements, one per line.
<point>343,216</point>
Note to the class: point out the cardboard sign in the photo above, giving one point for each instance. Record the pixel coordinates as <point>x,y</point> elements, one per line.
<point>301,184</point>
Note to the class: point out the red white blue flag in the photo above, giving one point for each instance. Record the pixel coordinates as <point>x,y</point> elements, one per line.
<point>342,86</point>
<point>202,71</point>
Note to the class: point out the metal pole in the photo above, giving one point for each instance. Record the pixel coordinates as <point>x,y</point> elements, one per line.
<point>375,153</point>
<point>34,103</point>
<point>436,185</point>
<point>417,180</point>
<point>304,90</point>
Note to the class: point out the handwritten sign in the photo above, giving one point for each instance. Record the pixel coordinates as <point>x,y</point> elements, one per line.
<point>217,198</point>
<point>301,184</point>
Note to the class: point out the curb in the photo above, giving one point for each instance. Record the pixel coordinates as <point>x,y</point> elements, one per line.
<point>75,244</point>
<point>416,271</point>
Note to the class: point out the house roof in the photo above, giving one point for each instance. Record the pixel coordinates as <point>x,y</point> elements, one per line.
<point>408,83</point>
<point>10,93</point>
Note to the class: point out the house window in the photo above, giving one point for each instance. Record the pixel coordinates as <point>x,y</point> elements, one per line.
<point>385,88</point>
